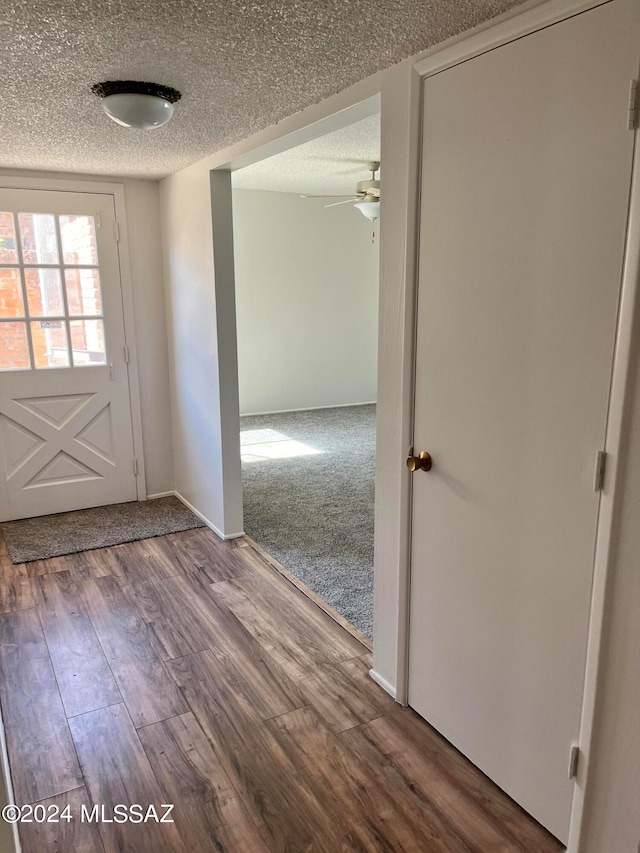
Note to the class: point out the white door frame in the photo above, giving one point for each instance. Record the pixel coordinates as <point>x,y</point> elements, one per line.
<point>357,103</point>
<point>117,192</point>
<point>610,501</point>
<point>525,22</point>
<point>400,89</point>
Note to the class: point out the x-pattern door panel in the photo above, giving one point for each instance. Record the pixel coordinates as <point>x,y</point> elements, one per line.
<point>48,443</point>
<point>65,418</point>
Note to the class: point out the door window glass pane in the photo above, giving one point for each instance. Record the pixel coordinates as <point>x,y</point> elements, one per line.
<point>11,304</point>
<point>83,292</point>
<point>78,235</point>
<point>44,292</point>
<point>8,250</point>
<point>50,343</point>
<point>38,238</point>
<point>87,342</point>
<point>14,349</point>
<point>50,285</point>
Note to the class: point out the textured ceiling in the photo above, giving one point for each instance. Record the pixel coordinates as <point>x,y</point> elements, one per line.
<point>329,164</point>
<point>241,65</point>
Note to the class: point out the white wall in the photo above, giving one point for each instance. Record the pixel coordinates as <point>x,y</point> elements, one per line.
<point>145,248</point>
<point>399,186</point>
<point>306,300</point>
<point>201,332</point>
<point>145,245</point>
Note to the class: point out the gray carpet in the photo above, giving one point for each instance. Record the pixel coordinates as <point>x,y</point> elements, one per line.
<point>314,513</point>
<point>85,529</point>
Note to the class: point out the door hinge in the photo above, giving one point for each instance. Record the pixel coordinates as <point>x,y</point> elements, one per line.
<point>126,354</point>
<point>574,758</point>
<point>135,467</point>
<point>117,230</point>
<point>598,473</point>
<point>98,220</point>
<point>632,117</point>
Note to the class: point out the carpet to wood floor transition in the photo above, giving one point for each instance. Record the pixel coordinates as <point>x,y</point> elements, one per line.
<point>308,480</point>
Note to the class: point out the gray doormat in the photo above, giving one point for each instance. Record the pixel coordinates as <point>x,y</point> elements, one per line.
<point>86,529</point>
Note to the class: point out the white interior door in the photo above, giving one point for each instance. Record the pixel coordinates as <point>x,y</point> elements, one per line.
<point>65,416</point>
<point>525,184</point>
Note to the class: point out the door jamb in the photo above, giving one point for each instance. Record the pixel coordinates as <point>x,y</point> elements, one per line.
<point>116,191</point>
<point>610,503</point>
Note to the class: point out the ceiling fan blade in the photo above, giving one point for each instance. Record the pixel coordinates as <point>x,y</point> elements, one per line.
<point>336,195</point>
<point>346,201</point>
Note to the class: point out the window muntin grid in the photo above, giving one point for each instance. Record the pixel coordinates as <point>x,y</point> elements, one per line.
<point>51,311</point>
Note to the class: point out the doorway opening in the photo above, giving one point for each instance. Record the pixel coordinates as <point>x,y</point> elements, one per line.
<point>307,279</point>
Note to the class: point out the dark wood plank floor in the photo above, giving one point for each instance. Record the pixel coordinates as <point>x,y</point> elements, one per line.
<point>186,670</point>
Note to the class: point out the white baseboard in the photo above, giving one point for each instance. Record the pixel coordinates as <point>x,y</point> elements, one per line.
<point>161,495</point>
<point>307,409</point>
<point>389,688</point>
<point>209,523</point>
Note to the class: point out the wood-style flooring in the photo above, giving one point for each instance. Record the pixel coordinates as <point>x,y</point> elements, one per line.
<point>186,670</point>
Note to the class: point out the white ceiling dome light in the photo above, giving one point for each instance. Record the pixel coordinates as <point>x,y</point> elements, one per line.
<point>132,103</point>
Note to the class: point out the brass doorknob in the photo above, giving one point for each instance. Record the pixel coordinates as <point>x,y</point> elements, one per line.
<point>419,463</point>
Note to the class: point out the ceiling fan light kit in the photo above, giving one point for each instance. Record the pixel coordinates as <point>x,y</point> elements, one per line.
<point>137,104</point>
<point>367,197</point>
<point>369,208</point>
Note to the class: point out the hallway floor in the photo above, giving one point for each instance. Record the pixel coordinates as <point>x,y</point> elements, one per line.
<point>184,670</point>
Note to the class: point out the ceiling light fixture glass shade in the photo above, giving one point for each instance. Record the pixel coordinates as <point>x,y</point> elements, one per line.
<point>144,112</point>
<point>131,103</point>
<point>370,209</point>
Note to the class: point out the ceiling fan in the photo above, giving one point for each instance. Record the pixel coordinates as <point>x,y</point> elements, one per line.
<point>367,195</point>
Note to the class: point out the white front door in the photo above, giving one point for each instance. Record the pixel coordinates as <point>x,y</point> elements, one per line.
<point>65,416</point>
<point>525,185</point>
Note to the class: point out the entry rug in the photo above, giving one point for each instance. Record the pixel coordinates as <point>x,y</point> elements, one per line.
<point>86,529</point>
